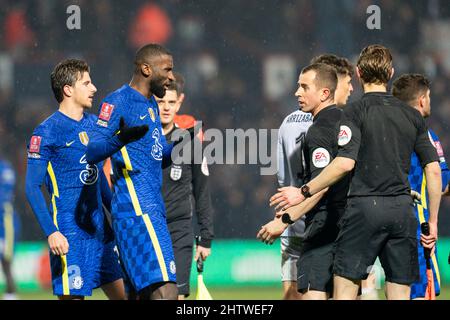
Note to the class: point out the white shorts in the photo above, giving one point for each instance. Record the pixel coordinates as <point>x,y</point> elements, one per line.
<point>290,252</point>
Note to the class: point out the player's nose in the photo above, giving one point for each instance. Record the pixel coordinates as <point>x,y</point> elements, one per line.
<point>170,76</point>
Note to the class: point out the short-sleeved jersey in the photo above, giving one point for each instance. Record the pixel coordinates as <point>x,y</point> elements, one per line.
<point>60,143</point>
<point>290,171</point>
<point>7,183</point>
<point>416,176</point>
<point>321,147</point>
<point>136,168</point>
<point>380,133</point>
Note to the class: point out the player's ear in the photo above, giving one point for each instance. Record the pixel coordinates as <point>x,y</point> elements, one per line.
<point>181,98</point>
<point>67,90</point>
<point>146,70</point>
<point>325,94</point>
<point>178,107</point>
<point>421,101</point>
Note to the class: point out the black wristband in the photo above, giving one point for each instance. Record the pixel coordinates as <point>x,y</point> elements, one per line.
<point>286,218</point>
<point>304,189</point>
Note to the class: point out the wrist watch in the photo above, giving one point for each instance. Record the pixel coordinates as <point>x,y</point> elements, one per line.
<point>304,189</point>
<point>286,218</point>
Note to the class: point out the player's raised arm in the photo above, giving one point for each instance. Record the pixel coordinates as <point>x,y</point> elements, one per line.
<point>111,134</point>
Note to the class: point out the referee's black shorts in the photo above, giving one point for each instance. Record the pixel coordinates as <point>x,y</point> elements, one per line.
<point>315,265</point>
<point>315,269</point>
<point>378,226</point>
<point>181,233</point>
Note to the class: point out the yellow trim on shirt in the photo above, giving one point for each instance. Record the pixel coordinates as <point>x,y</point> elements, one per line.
<point>126,159</point>
<point>55,194</point>
<point>65,274</point>
<point>138,210</point>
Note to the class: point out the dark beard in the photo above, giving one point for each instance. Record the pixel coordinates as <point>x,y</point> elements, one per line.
<point>157,87</point>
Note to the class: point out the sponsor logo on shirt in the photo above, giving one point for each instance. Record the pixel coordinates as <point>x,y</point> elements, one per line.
<point>35,144</point>
<point>106,111</point>
<point>320,158</point>
<point>105,114</point>
<point>156,147</point>
<point>89,175</point>
<point>345,135</point>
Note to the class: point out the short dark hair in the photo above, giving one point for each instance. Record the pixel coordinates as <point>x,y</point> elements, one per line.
<point>326,76</point>
<point>67,72</point>
<point>342,65</point>
<point>409,87</point>
<point>375,64</point>
<point>147,53</point>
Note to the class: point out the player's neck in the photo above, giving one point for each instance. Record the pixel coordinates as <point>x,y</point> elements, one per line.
<point>71,110</point>
<point>322,106</point>
<point>141,87</point>
<point>371,87</point>
<point>168,127</point>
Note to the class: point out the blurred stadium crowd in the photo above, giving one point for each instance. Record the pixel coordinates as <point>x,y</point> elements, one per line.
<point>240,60</point>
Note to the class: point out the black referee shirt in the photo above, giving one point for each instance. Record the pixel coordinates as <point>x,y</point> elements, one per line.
<point>182,181</point>
<point>380,133</point>
<point>320,148</point>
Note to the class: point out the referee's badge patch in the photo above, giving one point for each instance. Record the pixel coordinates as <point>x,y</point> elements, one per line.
<point>320,158</point>
<point>175,172</point>
<point>345,135</point>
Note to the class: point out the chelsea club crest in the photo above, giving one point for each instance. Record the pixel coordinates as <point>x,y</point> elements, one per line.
<point>175,172</point>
